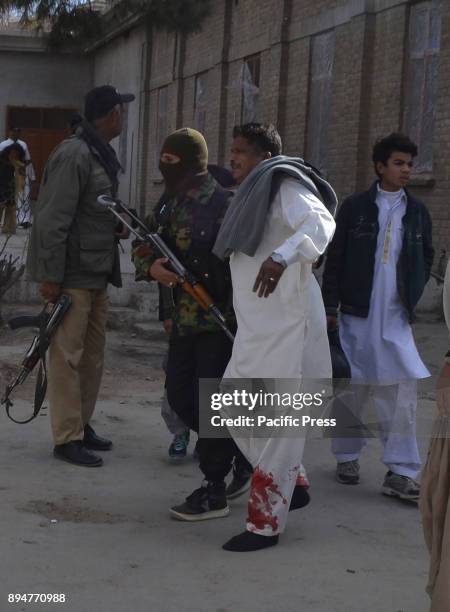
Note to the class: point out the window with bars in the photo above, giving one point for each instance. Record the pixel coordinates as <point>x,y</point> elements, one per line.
<point>424,45</point>
<point>200,102</point>
<point>250,83</point>
<point>319,103</point>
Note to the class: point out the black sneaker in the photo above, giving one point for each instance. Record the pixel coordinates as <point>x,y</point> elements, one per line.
<point>242,479</point>
<point>75,452</point>
<point>94,442</point>
<point>207,502</point>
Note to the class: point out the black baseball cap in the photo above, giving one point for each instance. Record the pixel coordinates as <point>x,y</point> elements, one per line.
<point>100,100</point>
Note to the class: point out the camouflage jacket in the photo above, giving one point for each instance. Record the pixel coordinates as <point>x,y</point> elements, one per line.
<point>176,230</point>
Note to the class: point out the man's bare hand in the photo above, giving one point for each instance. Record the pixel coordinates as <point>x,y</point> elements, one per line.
<point>160,273</point>
<point>332,323</point>
<point>168,326</point>
<point>268,276</point>
<point>50,292</point>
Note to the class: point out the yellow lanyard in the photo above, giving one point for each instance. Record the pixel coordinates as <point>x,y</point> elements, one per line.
<point>388,234</point>
<point>387,242</point>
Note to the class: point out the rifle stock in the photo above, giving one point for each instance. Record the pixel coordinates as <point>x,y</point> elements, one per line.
<point>24,321</point>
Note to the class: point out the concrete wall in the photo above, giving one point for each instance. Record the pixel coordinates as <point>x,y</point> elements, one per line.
<point>32,77</point>
<point>121,63</point>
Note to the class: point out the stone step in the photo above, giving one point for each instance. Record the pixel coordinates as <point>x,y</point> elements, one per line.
<point>120,318</point>
<point>151,330</point>
<point>142,296</point>
<point>124,317</point>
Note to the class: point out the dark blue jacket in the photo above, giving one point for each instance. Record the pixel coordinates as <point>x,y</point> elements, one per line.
<point>349,269</point>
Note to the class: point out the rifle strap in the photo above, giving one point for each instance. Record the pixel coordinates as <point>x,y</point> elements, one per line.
<point>38,400</point>
<point>41,381</point>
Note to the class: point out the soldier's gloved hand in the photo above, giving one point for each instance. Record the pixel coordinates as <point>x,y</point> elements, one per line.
<point>50,292</point>
<point>160,273</point>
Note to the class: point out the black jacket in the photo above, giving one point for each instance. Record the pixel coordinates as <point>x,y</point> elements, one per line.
<point>349,269</point>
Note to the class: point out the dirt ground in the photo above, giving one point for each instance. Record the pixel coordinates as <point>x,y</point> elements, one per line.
<point>103,536</point>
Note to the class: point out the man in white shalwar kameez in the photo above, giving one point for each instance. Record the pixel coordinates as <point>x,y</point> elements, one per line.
<point>383,246</point>
<point>295,227</point>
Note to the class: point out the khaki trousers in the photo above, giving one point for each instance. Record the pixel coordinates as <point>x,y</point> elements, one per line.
<point>76,363</point>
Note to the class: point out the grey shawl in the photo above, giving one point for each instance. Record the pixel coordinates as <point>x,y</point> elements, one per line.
<point>243,224</point>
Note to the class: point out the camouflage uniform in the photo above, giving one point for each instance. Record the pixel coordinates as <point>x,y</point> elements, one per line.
<point>188,317</point>
<point>198,348</point>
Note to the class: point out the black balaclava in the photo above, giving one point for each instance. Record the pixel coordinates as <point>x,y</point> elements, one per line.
<point>190,146</point>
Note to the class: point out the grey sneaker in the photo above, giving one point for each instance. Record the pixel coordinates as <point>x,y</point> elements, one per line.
<point>348,472</point>
<point>402,487</point>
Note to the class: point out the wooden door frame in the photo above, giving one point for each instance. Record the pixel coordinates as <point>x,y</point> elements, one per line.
<point>10,107</point>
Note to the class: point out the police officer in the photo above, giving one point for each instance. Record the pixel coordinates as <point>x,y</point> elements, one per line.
<point>73,250</point>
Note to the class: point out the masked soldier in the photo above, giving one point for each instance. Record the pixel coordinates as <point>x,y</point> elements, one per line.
<point>188,217</point>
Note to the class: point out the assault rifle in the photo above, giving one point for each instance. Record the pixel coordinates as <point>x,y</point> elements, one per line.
<point>47,322</point>
<point>188,281</point>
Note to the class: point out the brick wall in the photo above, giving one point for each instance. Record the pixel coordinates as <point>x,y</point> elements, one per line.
<point>346,105</point>
<point>437,196</point>
<point>384,108</point>
<point>297,97</point>
<point>367,84</point>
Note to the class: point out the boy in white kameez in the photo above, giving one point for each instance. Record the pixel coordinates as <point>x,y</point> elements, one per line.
<point>277,226</point>
<point>377,266</point>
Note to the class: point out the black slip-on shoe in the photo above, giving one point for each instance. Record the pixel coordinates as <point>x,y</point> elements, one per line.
<point>94,442</point>
<point>300,498</point>
<point>249,542</point>
<point>75,452</point>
